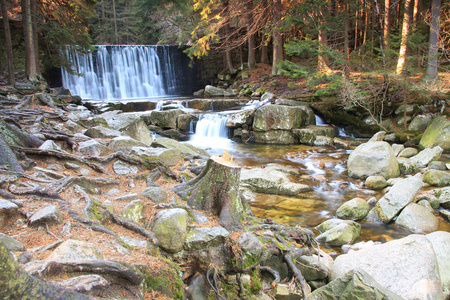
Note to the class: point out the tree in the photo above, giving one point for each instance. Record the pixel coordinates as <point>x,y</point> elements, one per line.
<point>387,24</point>
<point>405,32</point>
<point>31,57</point>
<point>251,36</point>
<point>277,39</point>
<point>432,69</point>
<point>9,51</point>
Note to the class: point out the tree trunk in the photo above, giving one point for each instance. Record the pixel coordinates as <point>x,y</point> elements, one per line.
<point>277,39</point>
<point>323,60</point>
<point>34,21</point>
<point>7,158</point>
<point>387,24</point>
<point>12,135</point>
<point>405,33</point>
<point>416,12</point>
<point>11,78</point>
<point>346,30</point>
<point>251,37</point>
<point>228,58</point>
<point>18,284</point>
<point>264,50</point>
<point>30,55</point>
<point>216,190</point>
<point>357,25</point>
<point>115,22</point>
<point>432,69</point>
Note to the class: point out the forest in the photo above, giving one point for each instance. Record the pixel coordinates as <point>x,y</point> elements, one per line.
<point>298,38</point>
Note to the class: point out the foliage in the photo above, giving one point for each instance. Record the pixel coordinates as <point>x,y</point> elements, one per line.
<point>292,70</point>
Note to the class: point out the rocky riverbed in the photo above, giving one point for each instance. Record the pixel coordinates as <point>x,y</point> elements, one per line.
<point>93,204</point>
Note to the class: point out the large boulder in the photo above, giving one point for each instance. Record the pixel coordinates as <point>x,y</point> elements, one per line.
<point>356,284</point>
<point>309,134</point>
<point>100,132</point>
<point>170,228</point>
<point>75,250</point>
<point>424,157</point>
<point>271,180</point>
<point>441,245</point>
<point>240,118</point>
<point>437,134</point>
<point>436,177</point>
<point>129,124</point>
<point>407,267</point>
<point>124,143</point>
<point>282,117</point>
<point>212,91</point>
<point>417,219</point>
<point>92,148</point>
<point>205,237</point>
<point>185,148</point>
<point>401,194</point>
<point>169,157</point>
<point>166,119</point>
<point>420,122</point>
<point>373,158</point>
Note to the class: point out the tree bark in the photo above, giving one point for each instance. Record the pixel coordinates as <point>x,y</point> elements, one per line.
<point>323,60</point>
<point>264,50</point>
<point>30,55</point>
<point>12,135</point>
<point>277,39</point>
<point>387,24</point>
<point>432,69</point>
<point>216,190</point>
<point>115,22</point>
<point>11,77</point>
<point>15,283</point>
<point>8,158</point>
<point>34,21</point>
<point>405,32</point>
<point>251,37</point>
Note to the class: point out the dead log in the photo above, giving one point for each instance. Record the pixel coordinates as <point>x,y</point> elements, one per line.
<point>216,190</point>
<point>15,283</point>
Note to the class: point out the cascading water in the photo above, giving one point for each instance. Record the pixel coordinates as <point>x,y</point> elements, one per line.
<point>129,72</point>
<point>211,131</point>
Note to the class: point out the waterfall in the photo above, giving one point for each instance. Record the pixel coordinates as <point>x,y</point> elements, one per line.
<point>211,131</point>
<point>128,72</point>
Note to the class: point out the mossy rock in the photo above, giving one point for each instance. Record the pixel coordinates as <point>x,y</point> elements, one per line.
<point>437,134</point>
<point>408,136</point>
<point>165,280</point>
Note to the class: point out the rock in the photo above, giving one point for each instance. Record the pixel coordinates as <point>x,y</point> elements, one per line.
<point>271,180</point>
<point>338,232</point>
<point>211,91</point>
<point>7,210</point>
<point>249,243</point>
<point>397,148</point>
<point>371,159</point>
<point>83,284</point>
<point>72,127</point>
<point>50,145</point>
<point>445,214</point>
<point>11,244</point>
<point>424,157</point>
<point>401,194</point>
<point>75,250</point>
<point>407,267</point>
<point>46,215</point>
<point>124,143</point>
<point>407,166</point>
<point>444,198</point>
<point>417,219</point>
<point>267,97</point>
<point>355,284</point>
<point>84,172</point>
<point>100,132</point>
<point>401,109</point>
<point>309,134</point>
<point>426,205</point>
<point>185,148</point>
<point>437,165</point>
<point>199,93</point>
<point>198,288</point>
<point>340,143</point>
<point>92,148</point>
<point>154,156</point>
<point>231,93</point>
<point>133,211</point>
<point>375,182</point>
<point>378,137</point>
<point>184,122</point>
<point>205,237</point>
<point>437,134</point>
<point>93,122</point>
<point>419,122</point>
<point>359,246</point>
<point>354,209</point>
<point>129,124</point>
<point>284,292</point>
<point>312,268</point>
<point>282,117</point>
<point>408,152</point>
<point>170,228</point>
<point>166,119</point>
<point>123,168</point>
<point>240,118</point>
<point>441,244</point>
<point>136,243</point>
<point>282,137</point>
<point>155,194</point>
<point>436,177</point>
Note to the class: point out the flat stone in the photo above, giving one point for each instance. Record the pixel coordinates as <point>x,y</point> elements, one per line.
<point>71,166</point>
<point>11,244</point>
<point>83,283</point>
<point>408,152</point>
<point>100,132</point>
<point>92,148</point>
<point>75,250</point>
<point>128,197</point>
<point>441,245</point>
<point>124,143</point>
<point>424,157</point>
<point>205,237</point>
<point>123,168</point>
<point>48,215</point>
<point>417,219</point>
<point>134,242</point>
<point>155,194</point>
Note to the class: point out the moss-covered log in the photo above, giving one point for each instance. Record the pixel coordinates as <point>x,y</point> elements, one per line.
<point>216,190</point>
<point>15,283</point>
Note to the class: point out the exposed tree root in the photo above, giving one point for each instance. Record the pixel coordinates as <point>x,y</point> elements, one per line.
<point>301,280</point>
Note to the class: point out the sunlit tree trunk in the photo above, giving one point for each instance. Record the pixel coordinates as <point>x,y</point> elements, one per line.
<point>405,33</point>
<point>416,12</point>
<point>228,58</point>
<point>346,40</point>
<point>432,69</point>
<point>323,59</point>
<point>251,37</point>
<point>387,24</point>
<point>277,39</point>
<point>9,53</point>
<point>356,24</point>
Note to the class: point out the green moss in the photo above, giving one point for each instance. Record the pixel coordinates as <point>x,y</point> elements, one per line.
<point>167,281</point>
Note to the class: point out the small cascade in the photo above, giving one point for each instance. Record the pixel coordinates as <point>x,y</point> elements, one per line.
<point>320,121</point>
<point>211,131</point>
<point>128,72</point>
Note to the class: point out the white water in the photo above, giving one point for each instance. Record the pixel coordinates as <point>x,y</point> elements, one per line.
<point>122,72</point>
<point>211,131</point>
